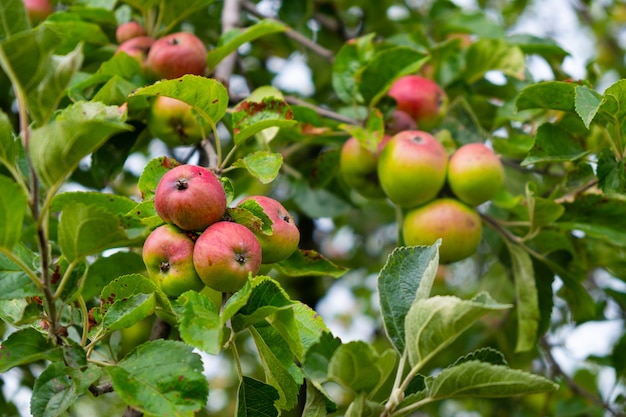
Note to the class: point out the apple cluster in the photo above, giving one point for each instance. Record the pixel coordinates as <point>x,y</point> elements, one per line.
<point>200,246</point>
<point>438,192</point>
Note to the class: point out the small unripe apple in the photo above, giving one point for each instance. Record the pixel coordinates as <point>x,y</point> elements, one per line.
<point>168,256</point>
<point>412,168</point>
<point>458,225</point>
<point>475,173</point>
<point>359,167</point>
<point>191,197</point>
<point>174,122</point>
<point>137,48</point>
<point>226,253</point>
<point>38,10</point>
<point>177,54</point>
<point>421,98</point>
<point>285,234</point>
<point>129,30</point>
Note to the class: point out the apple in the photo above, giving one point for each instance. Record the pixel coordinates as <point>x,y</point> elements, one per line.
<point>412,168</point>
<point>285,234</point>
<point>400,121</point>
<point>137,48</point>
<point>191,197</point>
<point>358,167</point>
<point>129,30</point>
<point>174,122</point>
<point>422,98</point>
<point>177,54</point>
<point>226,253</point>
<point>38,10</point>
<point>458,225</point>
<point>168,256</point>
<point>475,173</point>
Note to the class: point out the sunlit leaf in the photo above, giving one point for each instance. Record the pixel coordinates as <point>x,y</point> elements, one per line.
<point>263,165</point>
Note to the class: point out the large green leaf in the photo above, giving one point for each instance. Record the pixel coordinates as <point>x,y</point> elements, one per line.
<point>406,270</point>
<point>554,95</point>
<point>308,262</point>
<point>13,18</point>
<point>200,324</point>
<point>127,311</point>
<point>13,206</point>
<point>493,54</point>
<point>348,64</point>
<point>54,392</point>
<point>14,282</point>
<point>57,148</point>
<point>433,323</point>
<point>161,378</point>
<point>256,399</point>
<point>26,346</point>
<point>553,144</point>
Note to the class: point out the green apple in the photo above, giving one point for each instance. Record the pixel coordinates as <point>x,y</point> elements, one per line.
<point>168,256</point>
<point>285,236</point>
<point>174,122</point>
<point>475,173</point>
<point>225,255</point>
<point>412,168</point>
<point>191,197</point>
<point>422,98</point>
<point>458,225</point>
<point>359,167</point>
<point>177,54</point>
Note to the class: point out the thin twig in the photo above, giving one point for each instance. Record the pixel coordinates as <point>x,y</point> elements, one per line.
<point>322,111</point>
<point>230,19</point>
<point>97,390</point>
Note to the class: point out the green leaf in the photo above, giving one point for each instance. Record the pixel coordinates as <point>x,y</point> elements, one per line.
<point>207,96</point>
<point>252,116</point>
<point>318,356</point>
<point>357,366</point>
<point>372,134</point>
<point>587,104</point>
<point>53,392</point>
<point>480,379</point>
<point>362,407</point>
<point>13,206</point>
<point>266,297</point>
<point>493,54</point>
<point>81,128</point>
<point>611,174</point>
<point>175,11</point>
<point>117,205</point>
<point>263,165</point>
<point>527,300</point>
<point>613,100</point>
<point>554,95</point>
<point>348,65</point>
<point>308,262</point>
<point>86,230</point>
<point>553,144</point>
<point>317,404</point>
<point>256,399</point>
<point>14,283</point>
<point>127,286</point>
<point>152,173</point>
<point>161,378</point>
<point>485,354</point>
<point>26,346</point>
<point>233,39</point>
<point>406,270</point>
<point>280,371</point>
<point>385,67</point>
<point>200,324</point>
<point>106,268</point>
<point>127,311</point>
<point>8,142</point>
<point>433,323</point>
<point>13,18</point>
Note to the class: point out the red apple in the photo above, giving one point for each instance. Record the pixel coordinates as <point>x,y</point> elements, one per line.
<point>129,30</point>
<point>137,48</point>
<point>177,54</point>
<point>412,168</point>
<point>421,98</point>
<point>174,122</point>
<point>225,255</point>
<point>285,234</point>
<point>475,173</point>
<point>358,167</point>
<point>400,121</point>
<point>458,225</point>
<point>168,256</point>
<point>191,197</point>
<point>38,10</point>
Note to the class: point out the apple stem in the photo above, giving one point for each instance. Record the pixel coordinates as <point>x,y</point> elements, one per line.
<point>182,184</point>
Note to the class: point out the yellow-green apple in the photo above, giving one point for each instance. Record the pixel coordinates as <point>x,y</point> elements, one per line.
<point>458,225</point>
<point>38,10</point>
<point>129,30</point>
<point>177,54</point>
<point>412,168</point>
<point>174,122</point>
<point>475,173</point>
<point>285,236</point>
<point>422,98</point>
<point>225,255</point>
<point>168,256</point>
<point>358,167</point>
<point>191,197</point>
